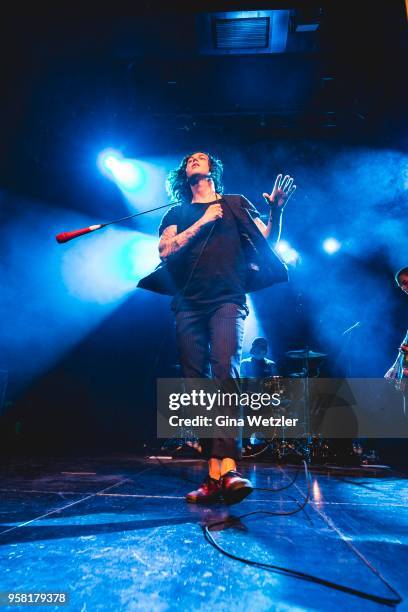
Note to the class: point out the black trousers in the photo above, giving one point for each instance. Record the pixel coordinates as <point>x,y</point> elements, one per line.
<point>210,345</point>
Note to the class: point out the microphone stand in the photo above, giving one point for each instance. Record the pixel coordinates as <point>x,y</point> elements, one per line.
<point>66,236</point>
<point>348,334</point>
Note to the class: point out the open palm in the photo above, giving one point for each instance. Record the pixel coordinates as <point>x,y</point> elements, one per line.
<point>282,191</point>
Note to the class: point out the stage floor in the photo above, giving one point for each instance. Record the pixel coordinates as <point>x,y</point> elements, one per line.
<point>116,534</point>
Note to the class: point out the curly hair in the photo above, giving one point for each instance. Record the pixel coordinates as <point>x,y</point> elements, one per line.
<point>403,271</point>
<point>177,185</point>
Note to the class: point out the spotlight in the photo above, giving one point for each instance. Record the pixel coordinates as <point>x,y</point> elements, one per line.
<point>287,253</point>
<point>107,160</point>
<point>331,245</point>
<point>126,173</point>
<point>110,161</point>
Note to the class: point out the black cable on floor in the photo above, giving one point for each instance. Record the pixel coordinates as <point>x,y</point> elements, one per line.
<point>291,572</point>
<point>287,571</point>
<point>267,447</point>
<point>292,482</point>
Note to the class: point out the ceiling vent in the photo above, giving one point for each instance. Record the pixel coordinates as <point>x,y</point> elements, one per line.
<point>245,32</point>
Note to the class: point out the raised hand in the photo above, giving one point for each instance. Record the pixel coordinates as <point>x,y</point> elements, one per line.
<point>282,191</point>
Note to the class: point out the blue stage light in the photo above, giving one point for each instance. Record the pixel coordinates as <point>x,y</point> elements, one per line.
<point>253,327</point>
<point>107,268</point>
<point>126,173</point>
<point>107,160</point>
<point>110,161</point>
<point>289,255</point>
<point>331,245</point>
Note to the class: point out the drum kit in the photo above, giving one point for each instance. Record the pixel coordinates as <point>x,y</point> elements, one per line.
<point>305,364</point>
<point>313,448</point>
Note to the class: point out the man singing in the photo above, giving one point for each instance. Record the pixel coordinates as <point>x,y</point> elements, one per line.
<point>214,249</point>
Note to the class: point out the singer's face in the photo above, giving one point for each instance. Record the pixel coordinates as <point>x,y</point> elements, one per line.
<point>403,282</point>
<point>198,163</point>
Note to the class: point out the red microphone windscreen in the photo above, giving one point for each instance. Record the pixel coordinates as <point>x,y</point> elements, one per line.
<point>65,236</point>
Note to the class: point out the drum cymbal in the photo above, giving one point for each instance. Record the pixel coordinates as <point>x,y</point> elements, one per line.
<point>305,354</point>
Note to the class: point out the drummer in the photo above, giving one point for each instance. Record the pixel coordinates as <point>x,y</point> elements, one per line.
<point>258,369</point>
<point>258,366</point>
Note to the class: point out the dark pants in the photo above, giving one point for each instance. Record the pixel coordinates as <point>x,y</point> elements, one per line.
<point>210,345</point>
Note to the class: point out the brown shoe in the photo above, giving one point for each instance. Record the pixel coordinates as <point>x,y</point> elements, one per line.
<point>234,488</point>
<point>207,493</point>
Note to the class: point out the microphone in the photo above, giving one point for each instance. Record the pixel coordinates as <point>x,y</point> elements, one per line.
<point>66,236</point>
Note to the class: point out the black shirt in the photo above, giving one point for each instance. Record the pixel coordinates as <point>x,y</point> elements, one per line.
<point>258,368</point>
<point>211,268</point>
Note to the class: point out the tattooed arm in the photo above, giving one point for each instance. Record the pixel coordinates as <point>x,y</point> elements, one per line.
<point>171,242</point>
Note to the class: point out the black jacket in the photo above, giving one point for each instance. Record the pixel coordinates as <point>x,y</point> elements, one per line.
<point>264,267</point>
